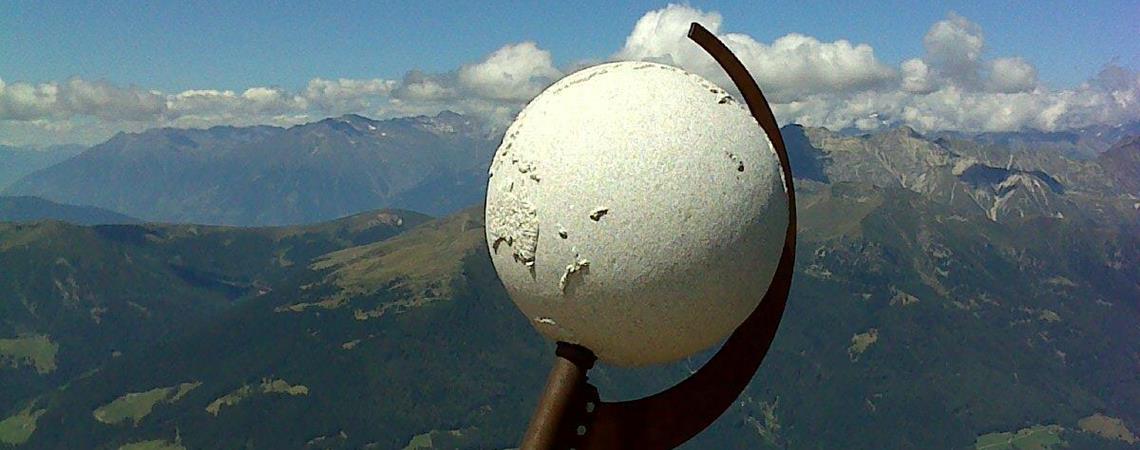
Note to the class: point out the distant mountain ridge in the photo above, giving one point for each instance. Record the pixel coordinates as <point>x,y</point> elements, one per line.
<point>1081,143</point>
<point>16,162</point>
<point>1006,182</point>
<point>276,176</point>
<point>1122,162</point>
<point>26,209</point>
<point>308,173</point>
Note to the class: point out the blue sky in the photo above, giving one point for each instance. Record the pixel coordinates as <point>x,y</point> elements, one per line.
<point>171,47</point>
<point>236,44</point>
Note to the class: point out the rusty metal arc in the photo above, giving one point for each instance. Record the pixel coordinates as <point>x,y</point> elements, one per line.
<point>570,414</point>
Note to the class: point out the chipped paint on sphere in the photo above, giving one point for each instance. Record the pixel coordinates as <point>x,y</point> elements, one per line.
<point>513,221</point>
<point>668,207</point>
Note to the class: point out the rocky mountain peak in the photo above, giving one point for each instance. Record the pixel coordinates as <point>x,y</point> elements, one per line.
<point>1122,163</point>
<point>450,122</point>
<point>1004,182</point>
<point>904,131</point>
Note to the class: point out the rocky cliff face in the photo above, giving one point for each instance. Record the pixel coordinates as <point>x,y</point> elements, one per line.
<point>986,174</point>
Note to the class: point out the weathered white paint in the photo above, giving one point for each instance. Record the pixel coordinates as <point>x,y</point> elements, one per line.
<point>668,206</point>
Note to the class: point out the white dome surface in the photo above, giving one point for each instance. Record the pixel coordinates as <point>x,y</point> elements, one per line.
<point>637,210</point>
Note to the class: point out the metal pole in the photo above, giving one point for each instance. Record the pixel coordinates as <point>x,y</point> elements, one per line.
<point>550,427</point>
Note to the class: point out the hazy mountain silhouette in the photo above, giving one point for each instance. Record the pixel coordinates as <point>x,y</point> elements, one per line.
<point>272,176</point>
<point>15,162</point>
<point>26,209</point>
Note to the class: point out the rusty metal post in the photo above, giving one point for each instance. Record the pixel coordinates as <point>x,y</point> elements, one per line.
<point>566,389</point>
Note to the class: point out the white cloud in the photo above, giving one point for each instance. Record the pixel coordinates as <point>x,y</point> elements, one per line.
<point>916,77</point>
<point>839,84</point>
<point>515,73</point>
<point>77,110</point>
<point>346,95</point>
<point>1011,75</point>
<point>955,87</point>
<point>421,87</point>
<point>106,101</point>
<point>24,101</point>
<point>661,35</point>
<point>954,48</point>
<point>802,65</point>
<point>792,66</point>
<point>954,107</point>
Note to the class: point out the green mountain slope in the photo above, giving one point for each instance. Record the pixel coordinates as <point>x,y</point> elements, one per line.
<point>911,324</point>
<point>73,298</point>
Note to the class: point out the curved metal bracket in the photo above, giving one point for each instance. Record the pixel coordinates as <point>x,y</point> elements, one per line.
<point>669,418</point>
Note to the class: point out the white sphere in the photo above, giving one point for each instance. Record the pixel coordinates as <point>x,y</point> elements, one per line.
<point>637,210</point>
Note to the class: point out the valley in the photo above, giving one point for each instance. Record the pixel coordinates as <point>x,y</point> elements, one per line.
<point>941,299</point>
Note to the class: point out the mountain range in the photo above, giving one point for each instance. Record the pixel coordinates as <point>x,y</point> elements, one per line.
<point>26,209</point>
<point>1005,182</point>
<point>263,175</point>
<point>951,291</point>
<point>15,162</point>
<point>259,176</point>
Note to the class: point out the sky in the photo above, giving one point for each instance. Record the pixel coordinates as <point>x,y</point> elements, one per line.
<point>81,71</point>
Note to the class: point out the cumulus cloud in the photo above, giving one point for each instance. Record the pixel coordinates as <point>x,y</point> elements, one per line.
<point>515,73</point>
<point>346,95</point>
<point>953,85</point>
<point>791,67</point>
<point>104,100</point>
<point>661,36</point>
<point>954,107</point>
<point>24,101</point>
<point>954,48</point>
<point>256,105</point>
<point>916,77</point>
<point>493,88</point>
<point>1011,75</point>
<point>955,56</point>
<point>421,87</point>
